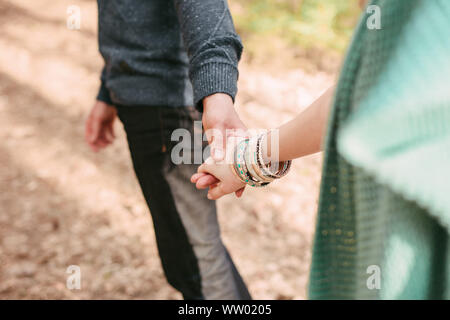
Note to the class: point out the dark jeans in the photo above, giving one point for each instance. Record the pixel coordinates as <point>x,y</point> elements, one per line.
<point>193,257</point>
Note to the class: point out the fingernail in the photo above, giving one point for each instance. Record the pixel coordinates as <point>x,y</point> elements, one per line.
<point>209,196</point>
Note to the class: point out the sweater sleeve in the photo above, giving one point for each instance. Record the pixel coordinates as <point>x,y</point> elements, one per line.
<point>103,92</point>
<point>213,47</point>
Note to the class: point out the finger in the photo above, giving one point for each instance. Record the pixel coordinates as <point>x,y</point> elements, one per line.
<point>111,128</point>
<point>93,147</point>
<point>100,143</point>
<point>95,130</point>
<point>240,192</point>
<point>205,167</point>
<point>216,193</point>
<point>214,185</point>
<point>102,140</point>
<point>196,176</point>
<point>206,181</point>
<point>109,134</point>
<point>88,129</point>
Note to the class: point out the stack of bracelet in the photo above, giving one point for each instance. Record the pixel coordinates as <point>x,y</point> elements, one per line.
<point>250,167</point>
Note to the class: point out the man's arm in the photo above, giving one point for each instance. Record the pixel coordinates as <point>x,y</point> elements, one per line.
<point>103,93</point>
<point>214,50</point>
<point>213,47</point>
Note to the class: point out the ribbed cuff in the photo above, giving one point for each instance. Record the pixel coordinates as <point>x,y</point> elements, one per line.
<point>103,94</point>
<point>214,78</point>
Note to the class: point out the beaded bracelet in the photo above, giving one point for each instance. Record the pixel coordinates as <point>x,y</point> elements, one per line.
<point>260,158</point>
<point>252,164</point>
<point>241,168</point>
<point>249,165</point>
<point>283,167</point>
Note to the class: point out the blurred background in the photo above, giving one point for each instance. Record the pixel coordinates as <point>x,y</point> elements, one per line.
<point>62,205</point>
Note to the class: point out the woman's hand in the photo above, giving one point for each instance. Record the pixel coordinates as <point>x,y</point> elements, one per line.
<point>228,181</point>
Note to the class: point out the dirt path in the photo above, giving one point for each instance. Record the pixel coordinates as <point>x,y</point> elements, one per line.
<point>62,205</point>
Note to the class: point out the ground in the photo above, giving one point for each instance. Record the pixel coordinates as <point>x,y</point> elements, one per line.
<point>62,205</point>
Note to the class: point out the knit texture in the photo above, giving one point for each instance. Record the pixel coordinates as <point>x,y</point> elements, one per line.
<point>384,194</point>
<point>167,52</point>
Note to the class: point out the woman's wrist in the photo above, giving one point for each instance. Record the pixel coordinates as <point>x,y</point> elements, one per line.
<point>250,165</point>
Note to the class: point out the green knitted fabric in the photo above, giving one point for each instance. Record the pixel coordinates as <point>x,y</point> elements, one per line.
<point>385,198</point>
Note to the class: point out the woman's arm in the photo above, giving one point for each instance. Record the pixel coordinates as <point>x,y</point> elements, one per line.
<point>304,134</point>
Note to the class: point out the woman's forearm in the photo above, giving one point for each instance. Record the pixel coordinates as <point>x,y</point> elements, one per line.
<point>304,134</point>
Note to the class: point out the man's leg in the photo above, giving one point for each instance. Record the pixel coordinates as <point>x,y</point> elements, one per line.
<point>193,256</point>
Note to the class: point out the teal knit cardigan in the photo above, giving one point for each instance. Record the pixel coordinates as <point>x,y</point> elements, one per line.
<point>384,210</point>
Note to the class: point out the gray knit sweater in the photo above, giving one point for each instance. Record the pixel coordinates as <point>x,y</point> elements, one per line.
<point>166,52</point>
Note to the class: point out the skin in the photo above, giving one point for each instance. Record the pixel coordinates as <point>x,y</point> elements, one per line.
<point>99,128</point>
<point>228,182</point>
<point>308,127</point>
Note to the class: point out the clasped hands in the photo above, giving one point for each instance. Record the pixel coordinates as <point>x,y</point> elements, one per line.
<point>217,174</point>
<point>220,116</point>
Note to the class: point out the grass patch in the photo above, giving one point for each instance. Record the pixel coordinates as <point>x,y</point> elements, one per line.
<point>308,29</point>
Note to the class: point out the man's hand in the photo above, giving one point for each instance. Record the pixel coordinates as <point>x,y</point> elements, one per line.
<point>218,116</point>
<point>99,130</point>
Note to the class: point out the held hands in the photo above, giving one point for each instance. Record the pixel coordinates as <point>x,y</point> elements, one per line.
<point>222,180</point>
<point>226,182</point>
<point>218,116</point>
